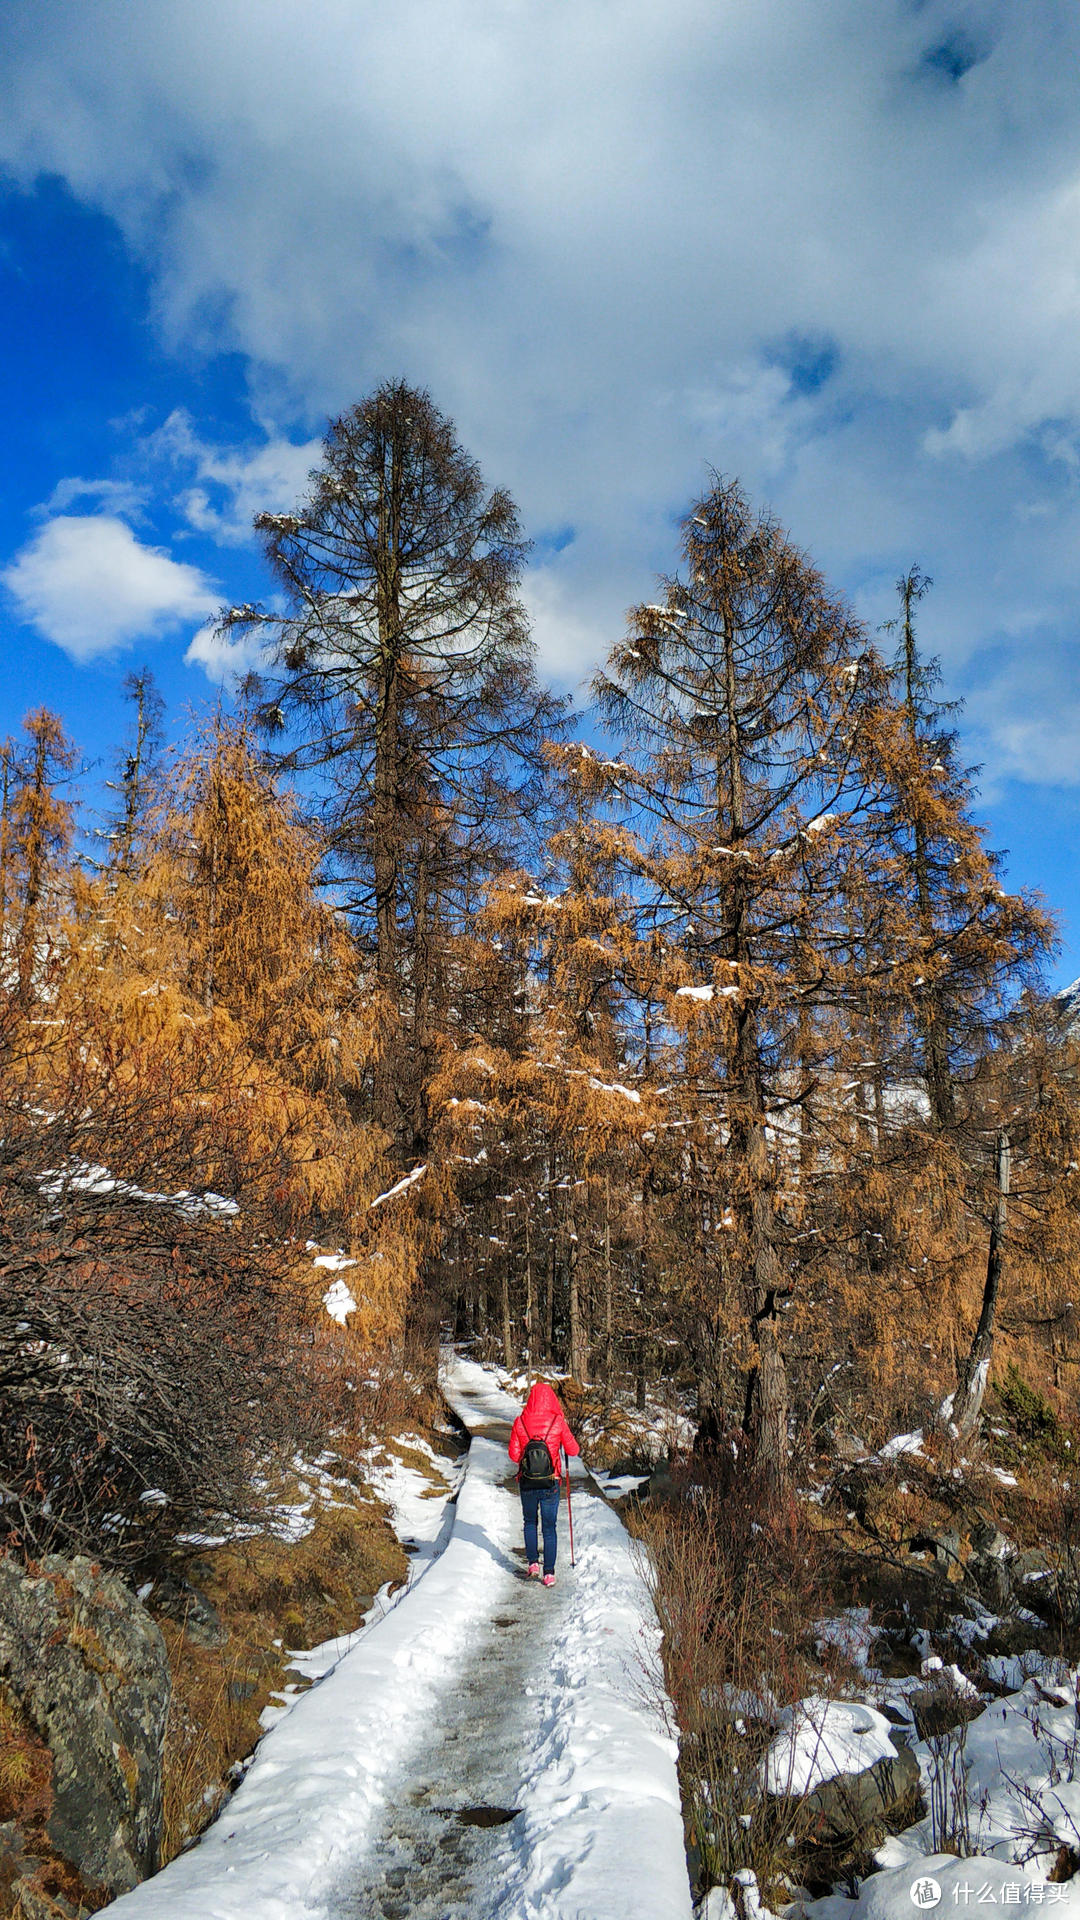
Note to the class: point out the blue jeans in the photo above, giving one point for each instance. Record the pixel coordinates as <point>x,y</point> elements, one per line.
<point>546,1501</point>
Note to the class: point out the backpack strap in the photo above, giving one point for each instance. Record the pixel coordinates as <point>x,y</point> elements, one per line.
<point>546,1437</point>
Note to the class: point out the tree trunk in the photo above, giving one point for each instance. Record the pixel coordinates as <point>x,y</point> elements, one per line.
<point>385,824</point>
<point>767,1388</point>
<point>609,1317</point>
<point>932,1015</point>
<point>422,970</point>
<point>5,837</point>
<point>766,1414</point>
<point>210,978</point>
<point>507,1328</point>
<point>529,1304</point>
<point>878,1083</point>
<point>808,1084</point>
<point>36,855</point>
<point>552,1272</point>
<point>975,1371</point>
<point>577,1345</point>
<point>133,782</point>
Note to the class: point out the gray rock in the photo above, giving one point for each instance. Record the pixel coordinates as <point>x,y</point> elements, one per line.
<point>22,1895</point>
<point>858,1809</point>
<point>1032,1564</point>
<point>659,1483</point>
<point>992,1567</point>
<point>35,1905</point>
<point>939,1707</point>
<point>946,1545</point>
<point>90,1670</point>
<point>178,1600</point>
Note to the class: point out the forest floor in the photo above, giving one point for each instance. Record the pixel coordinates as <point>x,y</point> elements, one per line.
<point>487,1750</point>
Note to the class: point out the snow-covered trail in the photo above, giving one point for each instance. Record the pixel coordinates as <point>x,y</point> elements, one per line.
<point>529,1722</point>
<point>479,1689</point>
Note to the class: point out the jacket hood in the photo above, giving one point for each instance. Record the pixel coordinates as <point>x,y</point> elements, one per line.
<point>543,1401</point>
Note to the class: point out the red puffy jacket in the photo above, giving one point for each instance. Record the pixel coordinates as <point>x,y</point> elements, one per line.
<point>541,1418</point>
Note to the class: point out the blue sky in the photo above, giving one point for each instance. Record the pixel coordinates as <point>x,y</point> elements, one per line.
<point>834,250</point>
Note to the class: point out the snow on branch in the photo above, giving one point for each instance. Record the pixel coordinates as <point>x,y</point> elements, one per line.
<point>81,1177</point>
<point>400,1186</point>
<point>628,1093</point>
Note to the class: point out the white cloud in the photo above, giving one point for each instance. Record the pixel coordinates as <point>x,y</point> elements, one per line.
<point>1025,719</point>
<point>87,584</point>
<point>834,249</point>
<point>569,633</point>
<point>119,496</point>
<point>226,486</point>
<point>222,657</point>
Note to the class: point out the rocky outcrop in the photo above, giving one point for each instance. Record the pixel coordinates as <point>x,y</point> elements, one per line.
<point>857,1810</point>
<point>174,1597</point>
<point>86,1668</point>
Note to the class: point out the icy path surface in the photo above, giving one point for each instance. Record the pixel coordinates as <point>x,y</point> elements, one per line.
<point>478,1690</point>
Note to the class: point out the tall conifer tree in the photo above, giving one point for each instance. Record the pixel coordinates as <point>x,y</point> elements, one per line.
<point>404,691</point>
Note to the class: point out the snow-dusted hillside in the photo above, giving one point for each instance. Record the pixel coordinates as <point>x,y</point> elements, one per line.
<point>1066,1006</point>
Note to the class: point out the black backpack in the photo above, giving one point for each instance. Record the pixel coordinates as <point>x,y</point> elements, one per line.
<point>536,1469</point>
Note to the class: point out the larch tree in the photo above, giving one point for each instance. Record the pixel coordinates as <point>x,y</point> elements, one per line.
<point>139,768</point>
<point>966,949</point>
<point>538,1119</point>
<point>749,699</point>
<point>576,1086</point>
<point>975,943</point>
<point>38,828</point>
<point>403,691</point>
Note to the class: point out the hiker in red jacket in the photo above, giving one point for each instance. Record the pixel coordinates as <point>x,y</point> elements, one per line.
<point>540,1430</point>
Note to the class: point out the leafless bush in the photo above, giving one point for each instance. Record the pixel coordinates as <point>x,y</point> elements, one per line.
<point>734,1584</point>
<point>944,1727</point>
<point>150,1348</point>
<point>1047,1823</point>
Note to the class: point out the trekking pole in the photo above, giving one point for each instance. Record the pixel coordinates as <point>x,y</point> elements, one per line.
<point>570,1512</point>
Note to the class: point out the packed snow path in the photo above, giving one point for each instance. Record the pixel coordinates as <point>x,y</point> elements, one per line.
<point>503,1729</point>
<point>480,1690</point>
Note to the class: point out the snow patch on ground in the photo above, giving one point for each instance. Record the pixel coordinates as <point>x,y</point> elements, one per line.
<point>822,1738</point>
<point>1021,1770</point>
<point>938,1884</point>
<point>902,1443</point>
<point>417,1501</point>
<point>339,1301</point>
<point>1010,1780</point>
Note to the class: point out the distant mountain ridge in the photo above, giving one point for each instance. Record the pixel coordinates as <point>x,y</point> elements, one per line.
<point>1066,1006</point>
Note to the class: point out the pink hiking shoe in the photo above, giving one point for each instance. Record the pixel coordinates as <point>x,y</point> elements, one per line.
<point>549,1579</point>
<point>534,1569</point>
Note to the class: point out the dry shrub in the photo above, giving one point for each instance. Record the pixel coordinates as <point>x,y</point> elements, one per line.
<point>942,1714</point>
<point>26,1767</point>
<point>150,1349</point>
<point>270,1596</point>
<point>734,1581</point>
<point>145,1366</point>
<point>611,1434</point>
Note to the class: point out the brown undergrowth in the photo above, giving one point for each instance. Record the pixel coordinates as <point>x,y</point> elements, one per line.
<point>26,1801</point>
<point>736,1582</point>
<point>740,1580</point>
<point>241,1607</point>
<point>613,1435</point>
